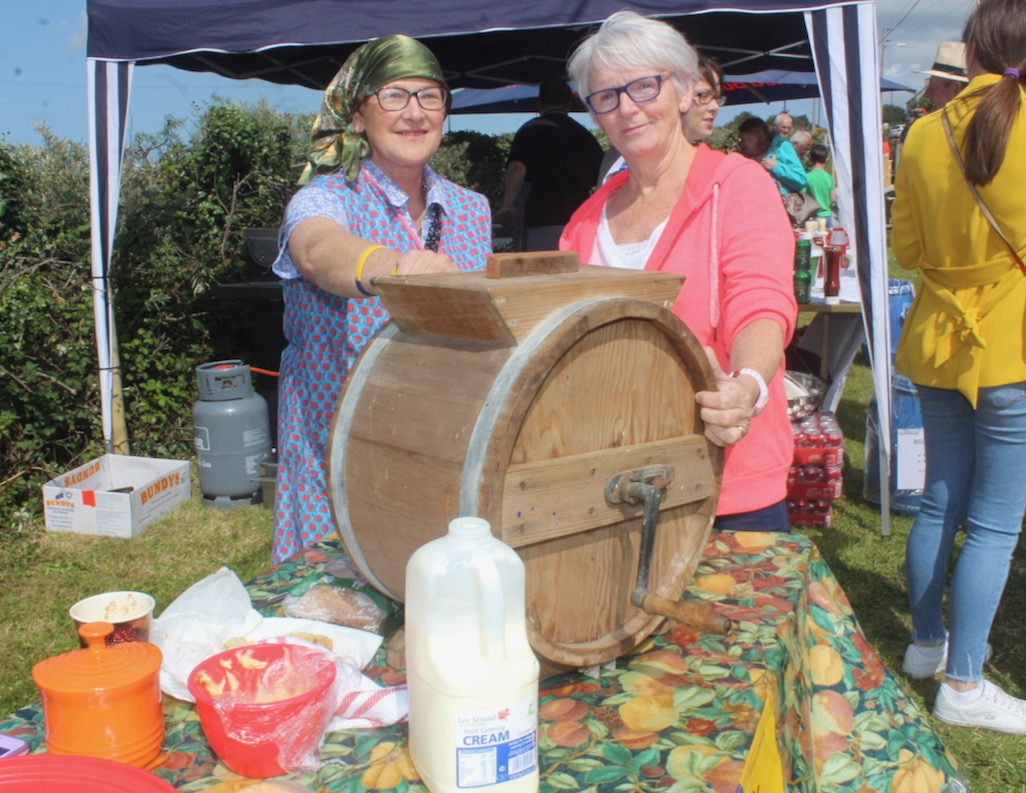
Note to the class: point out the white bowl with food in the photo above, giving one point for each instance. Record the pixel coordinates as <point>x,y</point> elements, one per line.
<point>131,614</point>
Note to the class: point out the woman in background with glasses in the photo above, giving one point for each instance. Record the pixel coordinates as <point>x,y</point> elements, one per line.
<point>370,207</point>
<point>714,218</point>
<point>700,118</point>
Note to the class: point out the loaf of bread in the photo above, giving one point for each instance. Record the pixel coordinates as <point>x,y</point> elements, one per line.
<point>348,607</point>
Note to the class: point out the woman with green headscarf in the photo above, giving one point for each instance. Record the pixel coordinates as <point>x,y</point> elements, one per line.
<point>370,206</point>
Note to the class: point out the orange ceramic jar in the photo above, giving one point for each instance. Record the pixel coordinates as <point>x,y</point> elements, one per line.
<point>103,701</point>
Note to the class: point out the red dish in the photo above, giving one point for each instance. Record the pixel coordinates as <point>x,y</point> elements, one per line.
<point>75,774</point>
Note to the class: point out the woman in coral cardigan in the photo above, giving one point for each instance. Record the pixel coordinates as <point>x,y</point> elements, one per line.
<point>715,218</point>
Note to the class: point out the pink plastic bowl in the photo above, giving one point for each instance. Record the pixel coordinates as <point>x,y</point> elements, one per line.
<point>249,728</point>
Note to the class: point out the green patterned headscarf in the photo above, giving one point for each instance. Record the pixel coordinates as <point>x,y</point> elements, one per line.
<point>335,143</point>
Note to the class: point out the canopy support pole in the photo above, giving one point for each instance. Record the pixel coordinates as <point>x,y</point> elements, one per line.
<point>108,86</point>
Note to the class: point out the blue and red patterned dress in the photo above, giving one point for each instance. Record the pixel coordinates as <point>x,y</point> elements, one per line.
<point>326,333</point>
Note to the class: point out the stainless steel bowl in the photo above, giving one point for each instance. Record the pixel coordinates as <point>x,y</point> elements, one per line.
<point>801,406</point>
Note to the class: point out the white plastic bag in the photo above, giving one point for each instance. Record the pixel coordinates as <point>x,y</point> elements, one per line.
<point>217,609</point>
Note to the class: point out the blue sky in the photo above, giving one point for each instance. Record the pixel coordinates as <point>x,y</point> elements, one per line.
<point>43,77</point>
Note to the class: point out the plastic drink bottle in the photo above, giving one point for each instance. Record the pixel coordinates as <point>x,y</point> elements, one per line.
<point>803,268</point>
<point>832,283</point>
<point>471,673</point>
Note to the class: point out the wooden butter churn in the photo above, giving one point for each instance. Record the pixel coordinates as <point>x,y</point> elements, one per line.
<point>557,402</point>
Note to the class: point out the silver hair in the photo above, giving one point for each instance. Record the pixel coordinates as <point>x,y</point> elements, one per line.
<point>627,41</point>
<point>780,116</point>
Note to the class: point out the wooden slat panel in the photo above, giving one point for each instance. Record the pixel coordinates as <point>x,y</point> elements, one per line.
<point>502,311</point>
<point>523,309</point>
<point>468,314</point>
<point>421,397</point>
<point>518,265</point>
<point>554,498</point>
<point>393,511</point>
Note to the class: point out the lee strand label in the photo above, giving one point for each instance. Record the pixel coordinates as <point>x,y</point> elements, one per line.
<point>496,746</point>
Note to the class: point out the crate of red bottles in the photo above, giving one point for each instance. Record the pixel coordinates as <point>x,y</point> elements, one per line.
<point>815,479</point>
<point>810,513</point>
<point>818,441</point>
<point>814,483</point>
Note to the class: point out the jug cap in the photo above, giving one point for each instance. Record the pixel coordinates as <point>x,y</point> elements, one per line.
<point>98,666</point>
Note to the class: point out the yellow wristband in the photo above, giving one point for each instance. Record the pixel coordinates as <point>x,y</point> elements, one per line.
<point>359,268</point>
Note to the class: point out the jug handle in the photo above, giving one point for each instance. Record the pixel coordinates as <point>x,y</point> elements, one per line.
<point>492,613</point>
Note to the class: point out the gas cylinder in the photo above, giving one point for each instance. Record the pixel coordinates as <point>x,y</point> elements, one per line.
<point>231,430</point>
<point>470,671</point>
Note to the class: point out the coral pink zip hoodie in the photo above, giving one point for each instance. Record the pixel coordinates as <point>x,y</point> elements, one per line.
<point>730,238</point>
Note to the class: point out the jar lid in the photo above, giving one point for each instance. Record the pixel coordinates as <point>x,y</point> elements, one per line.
<point>98,666</point>
<point>67,773</point>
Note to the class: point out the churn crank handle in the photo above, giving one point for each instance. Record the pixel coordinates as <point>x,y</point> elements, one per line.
<point>700,616</point>
<point>646,485</point>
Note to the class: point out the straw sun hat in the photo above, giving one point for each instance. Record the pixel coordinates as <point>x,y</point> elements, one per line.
<point>949,62</point>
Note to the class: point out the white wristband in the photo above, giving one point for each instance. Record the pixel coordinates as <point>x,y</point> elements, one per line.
<point>763,397</point>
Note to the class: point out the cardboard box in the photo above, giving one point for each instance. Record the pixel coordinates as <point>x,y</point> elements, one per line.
<point>115,495</point>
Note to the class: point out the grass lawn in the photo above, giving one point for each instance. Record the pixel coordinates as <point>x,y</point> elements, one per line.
<point>42,574</point>
<point>870,568</point>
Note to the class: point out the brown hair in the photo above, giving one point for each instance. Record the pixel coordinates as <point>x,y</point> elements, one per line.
<point>995,38</point>
<point>753,125</point>
<point>710,70</point>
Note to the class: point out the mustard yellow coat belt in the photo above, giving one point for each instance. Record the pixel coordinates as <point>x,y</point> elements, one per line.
<point>958,314</point>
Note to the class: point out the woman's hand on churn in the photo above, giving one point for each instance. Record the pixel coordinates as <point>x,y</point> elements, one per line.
<point>727,411</point>
<point>422,261</point>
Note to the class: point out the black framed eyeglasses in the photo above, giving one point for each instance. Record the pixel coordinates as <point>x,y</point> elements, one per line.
<point>703,98</point>
<point>430,97</point>
<point>644,89</point>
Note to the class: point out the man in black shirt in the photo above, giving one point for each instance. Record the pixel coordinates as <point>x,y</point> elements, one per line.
<point>551,170</point>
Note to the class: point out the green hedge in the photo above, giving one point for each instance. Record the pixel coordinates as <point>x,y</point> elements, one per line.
<point>188,194</point>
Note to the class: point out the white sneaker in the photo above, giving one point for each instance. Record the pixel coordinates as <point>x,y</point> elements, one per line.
<point>994,710</point>
<point>920,662</point>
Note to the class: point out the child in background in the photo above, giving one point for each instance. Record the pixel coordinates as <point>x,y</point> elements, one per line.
<point>821,182</point>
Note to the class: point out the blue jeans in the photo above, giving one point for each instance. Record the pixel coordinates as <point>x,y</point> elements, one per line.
<point>771,518</point>
<point>976,475</point>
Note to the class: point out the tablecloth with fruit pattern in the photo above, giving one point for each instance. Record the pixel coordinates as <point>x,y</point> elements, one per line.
<point>680,713</point>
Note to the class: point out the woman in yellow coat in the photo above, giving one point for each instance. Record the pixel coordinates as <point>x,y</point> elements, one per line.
<point>964,345</point>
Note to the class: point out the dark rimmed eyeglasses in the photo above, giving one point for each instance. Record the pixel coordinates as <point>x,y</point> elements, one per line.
<point>431,97</point>
<point>644,89</point>
<point>703,98</point>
